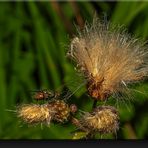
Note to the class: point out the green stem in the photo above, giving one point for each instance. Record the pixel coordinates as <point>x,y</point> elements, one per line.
<point>91,135</point>
<point>94,104</point>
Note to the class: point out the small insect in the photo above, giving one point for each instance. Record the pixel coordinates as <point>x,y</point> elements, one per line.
<point>44,94</point>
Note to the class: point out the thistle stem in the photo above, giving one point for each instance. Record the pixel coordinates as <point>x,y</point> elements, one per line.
<point>76,122</point>
<point>94,104</point>
<point>91,135</point>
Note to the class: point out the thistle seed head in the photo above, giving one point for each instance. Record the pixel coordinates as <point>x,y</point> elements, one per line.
<point>34,114</point>
<point>109,58</point>
<point>104,119</point>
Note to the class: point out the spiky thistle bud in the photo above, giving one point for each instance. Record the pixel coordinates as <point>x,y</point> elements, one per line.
<point>34,114</point>
<point>109,58</point>
<point>103,119</point>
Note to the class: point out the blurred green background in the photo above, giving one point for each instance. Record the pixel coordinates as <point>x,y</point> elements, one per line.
<point>34,38</point>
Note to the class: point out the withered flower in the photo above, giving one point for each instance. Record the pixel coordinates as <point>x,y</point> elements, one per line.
<point>109,58</point>
<point>103,119</point>
<point>57,110</point>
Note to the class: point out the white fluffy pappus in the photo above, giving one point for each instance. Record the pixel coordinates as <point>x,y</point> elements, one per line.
<point>109,58</point>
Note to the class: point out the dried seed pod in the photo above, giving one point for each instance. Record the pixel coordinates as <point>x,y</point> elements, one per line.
<point>109,58</point>
<point>34,114</point>
<point>104,119</point>
<point>62,110</point>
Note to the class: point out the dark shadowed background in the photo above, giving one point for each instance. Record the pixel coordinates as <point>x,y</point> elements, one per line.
<point>34,38</point>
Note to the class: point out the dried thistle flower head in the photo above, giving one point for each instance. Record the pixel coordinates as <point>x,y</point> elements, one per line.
<point>109,58</point>
<point>104,119</point>
<point>34,114</point>
<point>57,110</point>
